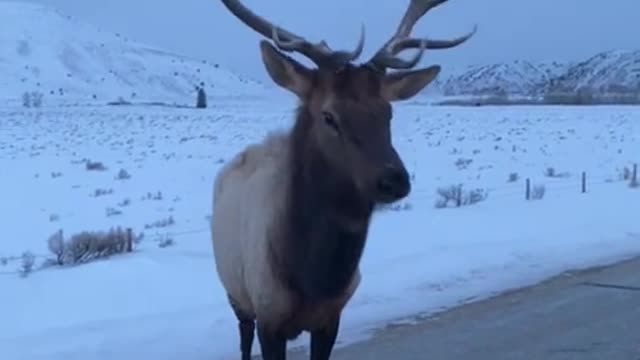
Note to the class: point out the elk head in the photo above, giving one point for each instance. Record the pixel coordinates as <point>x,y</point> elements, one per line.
<point>348,106</point>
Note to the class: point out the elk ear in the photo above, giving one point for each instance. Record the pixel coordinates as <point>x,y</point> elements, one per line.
<point>285,71</point>
<point>406,84</point>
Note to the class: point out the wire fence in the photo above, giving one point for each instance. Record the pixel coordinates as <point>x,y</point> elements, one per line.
<point>515,189</point>
<point>551,184</point>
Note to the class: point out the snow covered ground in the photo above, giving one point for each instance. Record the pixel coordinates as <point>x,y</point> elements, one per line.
<point>166,302</point>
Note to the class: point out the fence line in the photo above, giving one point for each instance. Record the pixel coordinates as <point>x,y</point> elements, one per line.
<point>581,185</point>
<point>564,184</point>
<point>520,191</point>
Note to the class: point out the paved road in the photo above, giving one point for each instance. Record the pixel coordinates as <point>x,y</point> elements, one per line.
<point>591,315</point>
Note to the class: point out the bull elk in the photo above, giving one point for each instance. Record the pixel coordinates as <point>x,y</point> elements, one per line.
<point>291,213</point>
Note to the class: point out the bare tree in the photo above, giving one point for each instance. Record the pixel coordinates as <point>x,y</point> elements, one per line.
<point>57,246</point>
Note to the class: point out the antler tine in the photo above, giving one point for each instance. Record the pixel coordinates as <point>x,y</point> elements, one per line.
<point>349,56</point>
<point>321,50</point>
<point>320,53</point>
<point>412,43</point>
<point>401,40</point>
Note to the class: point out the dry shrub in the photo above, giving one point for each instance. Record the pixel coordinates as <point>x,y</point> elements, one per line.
<point>456,195</point>
<point>27,264</point>
<point>87,246</point>
<point>538,192</point>
<point>57,246</point>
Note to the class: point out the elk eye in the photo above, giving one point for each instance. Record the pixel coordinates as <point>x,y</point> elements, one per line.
<point>330,120</point>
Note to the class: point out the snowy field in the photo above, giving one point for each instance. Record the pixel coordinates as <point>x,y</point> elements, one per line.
<point>165,302</point>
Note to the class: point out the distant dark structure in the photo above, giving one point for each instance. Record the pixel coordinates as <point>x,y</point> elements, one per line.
<point>201,102</point>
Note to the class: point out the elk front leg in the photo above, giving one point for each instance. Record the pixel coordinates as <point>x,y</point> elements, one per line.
<point>323,340</point>
<point>273,344</point>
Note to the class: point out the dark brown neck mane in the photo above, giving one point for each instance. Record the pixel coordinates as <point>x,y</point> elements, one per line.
<point>326,221</point>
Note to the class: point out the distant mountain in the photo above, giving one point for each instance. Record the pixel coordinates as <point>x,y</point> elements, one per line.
<point>521,78</point>
<point>45,51</point>
<point>612,74</point>
<point>613,71</point>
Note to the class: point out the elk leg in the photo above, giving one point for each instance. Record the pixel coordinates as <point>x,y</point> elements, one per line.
<point>246,327</point>
<point>323,340</point>
<point>273,345</point>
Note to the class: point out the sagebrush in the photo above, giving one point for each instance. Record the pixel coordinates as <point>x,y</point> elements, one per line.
<point>538,192</point>
<point>457,196</point>
<point>27,264</point>
<point>88,245</point>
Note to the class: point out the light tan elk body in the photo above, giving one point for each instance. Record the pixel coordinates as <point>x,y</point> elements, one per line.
<point>291,213</point>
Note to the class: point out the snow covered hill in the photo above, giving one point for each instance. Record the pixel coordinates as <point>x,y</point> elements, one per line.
<point>614,71</point>
<point>65,59</point>
<point>45,51</point>
<point>605,74</point>
<point>521,78</point>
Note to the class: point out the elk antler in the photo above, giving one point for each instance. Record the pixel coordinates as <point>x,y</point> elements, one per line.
<point>320,53</point>
<point>386,56</point>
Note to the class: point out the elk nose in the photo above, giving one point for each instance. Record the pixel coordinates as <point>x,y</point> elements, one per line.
<point>394,183</point>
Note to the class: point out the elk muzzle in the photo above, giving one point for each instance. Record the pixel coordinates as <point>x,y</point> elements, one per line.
<point>393,183</point>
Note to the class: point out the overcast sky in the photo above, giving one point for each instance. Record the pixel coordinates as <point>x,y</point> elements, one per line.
<point>507,29</point>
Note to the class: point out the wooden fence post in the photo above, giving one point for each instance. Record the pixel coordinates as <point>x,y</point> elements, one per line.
<point>129,240</point>
<point>584,182</point>
<point>528,189</point>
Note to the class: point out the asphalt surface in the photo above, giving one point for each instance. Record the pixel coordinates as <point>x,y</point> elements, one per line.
<point>588,315</point>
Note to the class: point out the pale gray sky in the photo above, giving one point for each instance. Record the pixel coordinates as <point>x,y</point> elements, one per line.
<point>508,29</point>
